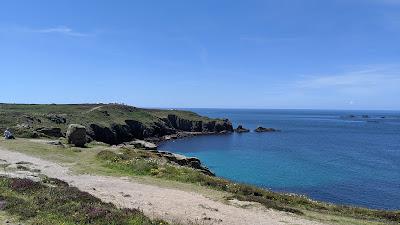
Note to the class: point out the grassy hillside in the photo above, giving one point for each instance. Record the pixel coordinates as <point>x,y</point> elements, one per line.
<point>27,120</point>
<point>41,115</point>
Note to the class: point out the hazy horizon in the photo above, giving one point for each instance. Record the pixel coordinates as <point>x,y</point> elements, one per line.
<point>338,54</point>
<point>188,108</point>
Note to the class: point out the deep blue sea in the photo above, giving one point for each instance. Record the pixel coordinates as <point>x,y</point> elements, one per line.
<point>326,155</point>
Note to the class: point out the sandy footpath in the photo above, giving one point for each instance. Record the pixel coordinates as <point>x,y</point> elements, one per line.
<point>156,202</point>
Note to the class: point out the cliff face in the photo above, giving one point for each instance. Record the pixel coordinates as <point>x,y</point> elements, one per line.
<point>198,126</point>
<point>132,129</point>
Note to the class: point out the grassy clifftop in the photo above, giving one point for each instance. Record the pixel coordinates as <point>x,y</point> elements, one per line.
<point>110,123</point>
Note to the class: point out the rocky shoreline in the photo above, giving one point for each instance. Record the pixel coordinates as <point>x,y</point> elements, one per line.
<point>181,135</point>
<point>152,144</point>
<point>192,162</point>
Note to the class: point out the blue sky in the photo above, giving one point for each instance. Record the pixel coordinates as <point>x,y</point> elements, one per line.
<point>342,54</point>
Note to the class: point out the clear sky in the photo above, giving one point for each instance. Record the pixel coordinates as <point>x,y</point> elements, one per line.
<point>331,54</point>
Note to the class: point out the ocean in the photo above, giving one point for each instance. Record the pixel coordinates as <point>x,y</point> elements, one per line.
<point>342,157</point>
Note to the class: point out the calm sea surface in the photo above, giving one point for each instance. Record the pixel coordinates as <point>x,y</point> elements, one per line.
<point>327,155</point>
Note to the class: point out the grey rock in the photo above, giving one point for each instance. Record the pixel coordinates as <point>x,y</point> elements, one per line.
<point>76,135</point>
<point>23,126</point>
<point>142,144</point>
<point>182,160</point>
<point>57,143</point>
<point>57,118</point>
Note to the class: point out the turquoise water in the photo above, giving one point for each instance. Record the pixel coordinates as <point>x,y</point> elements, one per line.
<point>327,155</point>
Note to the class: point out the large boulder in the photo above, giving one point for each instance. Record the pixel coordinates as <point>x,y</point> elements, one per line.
<point>76,135</point>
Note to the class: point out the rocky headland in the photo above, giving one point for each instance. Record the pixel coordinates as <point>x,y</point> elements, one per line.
<point>109,123</point>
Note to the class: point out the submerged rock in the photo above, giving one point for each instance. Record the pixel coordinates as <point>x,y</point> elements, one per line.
<point>76,135</point>
<point>241,129</point>
<point>264,129</point>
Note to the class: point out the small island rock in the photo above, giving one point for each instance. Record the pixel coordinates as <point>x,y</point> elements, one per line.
<point>76,135</point>
<point>263,129</point>
<point>241,129</point>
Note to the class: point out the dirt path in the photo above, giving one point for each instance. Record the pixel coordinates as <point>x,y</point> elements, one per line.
<point>156,202</point>
<point>95,108</point>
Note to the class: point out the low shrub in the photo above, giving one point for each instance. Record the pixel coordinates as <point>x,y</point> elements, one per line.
<point>59,203</point>
<point>23,185</point>
<point>108,155</point>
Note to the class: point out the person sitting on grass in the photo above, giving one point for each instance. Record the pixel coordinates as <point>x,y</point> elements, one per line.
<point>8,134</point>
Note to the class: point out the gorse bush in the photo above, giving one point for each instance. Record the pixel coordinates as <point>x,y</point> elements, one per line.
<point>59,203</point>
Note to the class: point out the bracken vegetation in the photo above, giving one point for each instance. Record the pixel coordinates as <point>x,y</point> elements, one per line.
<point>137,162</point>
<point>54,202</point>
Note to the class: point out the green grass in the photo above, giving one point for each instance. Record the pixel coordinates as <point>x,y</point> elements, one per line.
<point>54,202</point>
<point>37,116</point>
<point>188,115</point>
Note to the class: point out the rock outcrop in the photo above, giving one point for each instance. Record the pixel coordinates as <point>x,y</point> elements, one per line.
<point>241,129</point>
<point>182,160</point>
<point>263,129</point>
<point>57,118</point>
<point>76,135</point>
<point>51,132</point>
<point>141,144</point>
